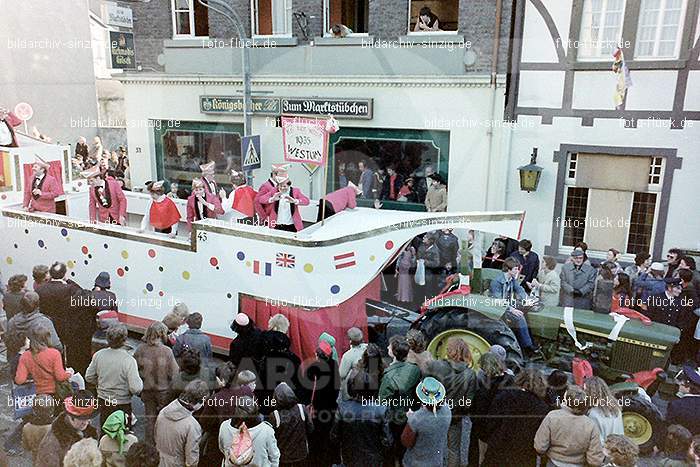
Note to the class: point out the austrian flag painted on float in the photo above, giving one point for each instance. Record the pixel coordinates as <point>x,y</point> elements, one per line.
<point>262,268</point>
<point>345,260</point>
<point>285,260</point>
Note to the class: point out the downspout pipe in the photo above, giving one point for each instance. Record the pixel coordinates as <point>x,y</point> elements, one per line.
<point>492,105</point>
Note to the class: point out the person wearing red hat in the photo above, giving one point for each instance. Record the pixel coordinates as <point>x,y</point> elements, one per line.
<point>41,192</point>
<point>285,201</point>
<point>107,203</point>
<point>198,204</point>
<point>211,188</point>
<point>162,215</point>
<point>68,428</point>
<point>261,209</point>
<point>242,198</point>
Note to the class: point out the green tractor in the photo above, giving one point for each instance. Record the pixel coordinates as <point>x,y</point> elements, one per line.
<point>477,319</point>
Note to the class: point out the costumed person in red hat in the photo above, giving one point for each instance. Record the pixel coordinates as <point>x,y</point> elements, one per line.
<point>285,202</point>
<point>162,215</point>
<point>339,200</point>
<point>270,186</point>
<point>8,122</point>
<point>41,192</point>
<point>242,198</point>
<point>107,200</point>
<point>211,188</point>
<point>198,206</point>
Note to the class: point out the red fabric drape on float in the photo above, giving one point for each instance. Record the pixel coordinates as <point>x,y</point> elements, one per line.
<point>55,170</point>
<point>306,326</point>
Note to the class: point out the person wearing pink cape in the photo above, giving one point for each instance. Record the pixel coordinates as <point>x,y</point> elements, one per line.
<point>107,203</point>
<point>42,190</point>
<point>339,200</point>
<point>263,209</point>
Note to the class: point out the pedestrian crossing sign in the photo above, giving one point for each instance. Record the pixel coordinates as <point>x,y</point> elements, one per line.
<point>250,152</point>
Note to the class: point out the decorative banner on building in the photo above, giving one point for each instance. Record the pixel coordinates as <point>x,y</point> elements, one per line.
<point>116,15</point>
<point>305,140</point>
<point>250,152</point>
<point>341,108</point>
<point>121,50</point>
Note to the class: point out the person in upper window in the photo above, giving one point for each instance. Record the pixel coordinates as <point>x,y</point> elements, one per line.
<point>285,201</point>
<point>427,21</point>
<point>339,31</point>
<point>41,192</point>
<point>162,215</point>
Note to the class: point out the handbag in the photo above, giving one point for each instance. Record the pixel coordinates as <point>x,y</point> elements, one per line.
<point>22,398</point>
<point>63,389</point>
<point>419,278</point>
<point>310,407</point>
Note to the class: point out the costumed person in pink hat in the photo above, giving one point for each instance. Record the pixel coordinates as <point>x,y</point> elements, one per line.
<point>211,188</point>
<point>8,122</point>
<point>162,215</point>
<point>285,202</point>
<point>242,198</point>
<point>339,200</point>
<point>107,200</point>
<point>41,192</point>
<point>262,209</point>
<point>198,205</point>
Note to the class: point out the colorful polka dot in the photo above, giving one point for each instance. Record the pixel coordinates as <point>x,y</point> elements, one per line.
<point>126,268</point>
<point>186,275</point>
<point>160,268</point>
<point>372,258</point>
<point>70,264</point>
<point>84,249</point>
<point>72,273</point>
<point>308,267</point>
<point>3,196</point>
<point>16,246</point>
<point>105,246</point>
<point>389,245</point>
<point>335,289</point>
<point>41,243</point>
<point>26,231</point>
<point>64,232</point>
<point>149,287</point>
<point>86,262</point>
<point>247,263</point>
<point>125,254</point>
<point>213,261</point>
<point>152,253</point>
<point>240,255</point>
<point>228,295</point>
<point>120,272</point>
<point>161,293</point>
<point>8,260</point>
<point>89,256</point>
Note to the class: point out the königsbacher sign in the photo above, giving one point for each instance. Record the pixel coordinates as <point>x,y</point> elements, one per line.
<point>339,108</point>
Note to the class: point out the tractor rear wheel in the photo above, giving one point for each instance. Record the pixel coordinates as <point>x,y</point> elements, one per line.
<point>479,331</point>
<point>643,423</point>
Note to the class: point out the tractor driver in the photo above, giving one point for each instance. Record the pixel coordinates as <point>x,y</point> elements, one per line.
<point>506,287</point>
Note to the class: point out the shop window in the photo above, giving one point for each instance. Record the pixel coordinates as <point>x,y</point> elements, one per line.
<point>271,17</point>
<point>601,28</point>
<point>410,154</point>
<point>429,16</point>
<point>353,14</point>
<point>190,19</point>
<point>659,30</point>
<point>180,151</point>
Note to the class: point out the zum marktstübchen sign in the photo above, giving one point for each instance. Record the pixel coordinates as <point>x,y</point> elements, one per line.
<point>339,108</point>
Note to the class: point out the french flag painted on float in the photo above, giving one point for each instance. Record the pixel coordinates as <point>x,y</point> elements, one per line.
<point>261,268</point>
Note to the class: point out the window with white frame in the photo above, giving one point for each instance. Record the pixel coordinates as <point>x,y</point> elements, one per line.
<point>659,30</point>
<point>345,17</point>
<point>430,16</point>
<point>601,28</point>
<point>605,211</point>
<point>190,19</point>
<point>271,17</point>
